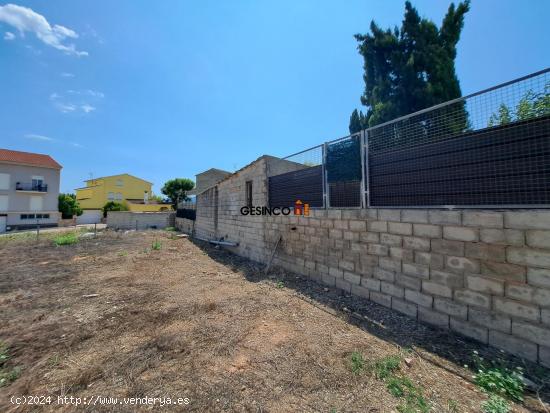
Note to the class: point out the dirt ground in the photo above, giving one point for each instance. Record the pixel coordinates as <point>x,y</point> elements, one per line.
<point>113,317</point>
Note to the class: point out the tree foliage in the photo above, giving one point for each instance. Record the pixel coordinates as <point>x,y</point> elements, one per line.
<point>114,206</point>
<point>68,206</point>
<point>531,105</point>
<point>176,189</point>
<point>357,122</point>
<point>411,68</point>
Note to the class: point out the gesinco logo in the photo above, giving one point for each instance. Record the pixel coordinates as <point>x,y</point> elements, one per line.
<point>299,209</point>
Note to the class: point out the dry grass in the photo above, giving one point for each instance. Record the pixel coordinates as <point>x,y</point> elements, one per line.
<point>189,321</point>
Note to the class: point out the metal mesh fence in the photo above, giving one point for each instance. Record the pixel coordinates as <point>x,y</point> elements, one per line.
<point>491,149</point>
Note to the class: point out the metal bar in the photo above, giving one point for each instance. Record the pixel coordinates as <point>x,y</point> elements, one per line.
<point>326,196</point>
<point>363,165</point>
<point>367,168</point>
<point>305,150</point>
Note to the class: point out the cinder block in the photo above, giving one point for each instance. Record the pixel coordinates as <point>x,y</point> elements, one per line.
<point>360,291</point>
<point>328,280</point>
<point>429,287</point>
<point>516,308</point>
<point>351,214</point>
<point>484,285</point>
<point>534,295</point>
<point>482,219</point>
<point>417,297</point>
<point>352,278</point>
<point>335,233</point>
<point>536,333</point>
<point>527,219</point>
<point>433,317</point>
<point>418,216</point>
<point>392,289</point>
<point>346,265</point>
<point>336,272</point>
<point>461,264</point>
<point>389,215</point>
<point>450,307</point>
<point>369,213</point>
<point>446,247</point>
<point>401,254</point>
<point>427,231</point>
<point>538,277</point>
<point>381,298</point>
<point>513,237</point>
<point>544,356</point>
<point>400,228</point>
<point>485,251</point>
<point>408,282</point>
<point>538,239</point>
<point>490,320</point>
<point>384,275</point>
<point>470,330</point>
<point>416,270</point>
<point>359,226</point>
<point>508,272</point>
<point>460,234</point>
<point>343,285</point>
<point>404,307</point>
<point>334,213</point>
<point>415,243</point>
<point>545,316</point>
<point>514,345</point>
<point>444,217</point>
<point>430,259</point>
<point>390,264</point>
<point>473,298</point>
<point>341,224</point>
<point>377,249</point>
<point>371,284</point>
<point>377,226</point>
<point>528,256</point>
<point>391,240</point>
<point>370,237</point>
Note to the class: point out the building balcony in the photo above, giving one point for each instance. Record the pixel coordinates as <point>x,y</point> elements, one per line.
<point>29,187</point>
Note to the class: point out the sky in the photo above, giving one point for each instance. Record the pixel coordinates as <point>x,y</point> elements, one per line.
<point>169,89</point>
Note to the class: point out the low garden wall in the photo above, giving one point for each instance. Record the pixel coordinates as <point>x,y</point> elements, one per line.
<point>184,225</point>
<point>140,220</point>
<point>484,274</point>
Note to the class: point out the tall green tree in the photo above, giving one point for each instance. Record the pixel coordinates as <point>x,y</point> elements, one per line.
<point>176,189</point>
<point>357,122</point>
<point>68,206</point>
<point>410,68</point>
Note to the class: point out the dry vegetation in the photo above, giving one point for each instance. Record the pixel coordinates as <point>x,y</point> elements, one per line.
<point>149,314</point>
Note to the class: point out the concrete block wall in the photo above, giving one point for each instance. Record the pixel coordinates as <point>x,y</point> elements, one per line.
<point>140,220</point>
<point>184,225</point>
<point>484,274</point>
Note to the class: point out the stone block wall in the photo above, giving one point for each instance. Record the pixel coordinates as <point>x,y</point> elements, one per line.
<point>184,225</point>
<point>484,274</point>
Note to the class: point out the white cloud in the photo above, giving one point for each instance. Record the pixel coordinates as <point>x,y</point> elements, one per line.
<point>52,140</point>
<point>67,74</point>
<point>25,19</point>
<point>9,36</point>
<point>39,137</point>
<point>87,108</point>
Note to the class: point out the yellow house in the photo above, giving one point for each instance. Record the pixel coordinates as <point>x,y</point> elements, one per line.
<point>123,188</point>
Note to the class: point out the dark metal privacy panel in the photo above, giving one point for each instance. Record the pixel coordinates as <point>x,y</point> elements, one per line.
<point>186,213</point>
<point>502,165</point>
<point>305,185</point>
<point>345,194</point>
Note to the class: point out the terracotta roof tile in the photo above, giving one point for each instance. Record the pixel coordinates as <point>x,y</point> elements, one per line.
<point>28,158</point>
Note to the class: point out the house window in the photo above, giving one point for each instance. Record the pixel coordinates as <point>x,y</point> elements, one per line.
<point>37,182</point>
<point>248,193</point>
<point>4,181</point>
<point>28,216</point>
<point>3,202</point>
<point>42,216</point>
<point>119,182</point>
<point>35,203</point>
<point>111,196</point>
<point>118,196</point>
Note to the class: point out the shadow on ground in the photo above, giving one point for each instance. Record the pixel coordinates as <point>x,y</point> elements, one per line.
<point>439,346</point>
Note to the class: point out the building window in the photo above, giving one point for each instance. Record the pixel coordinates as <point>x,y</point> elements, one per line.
<point>111,196</point>
<point>4,201</point>
<point>37,182</point>
<point>119,182</point>
<point>118,196</point>
<point>28,216</point>
<point>248,193</point>
<point>42,216</point>
<point>4,181</point>
<point>35,203</point>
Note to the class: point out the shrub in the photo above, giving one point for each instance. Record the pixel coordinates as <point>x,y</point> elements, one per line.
<point>113,206</point>
<point>497,378</point>
<point>357,362</point>
<point>385,367</point>
<point>495,404</point>
<point>66,239</point>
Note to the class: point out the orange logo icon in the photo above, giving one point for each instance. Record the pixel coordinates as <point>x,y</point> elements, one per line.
<point>301,209</point>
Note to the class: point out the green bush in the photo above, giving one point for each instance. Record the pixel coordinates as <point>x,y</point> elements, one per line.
<point>66,239</point>
<point>497,378</point>
<point>495,404</point>
<point>357,362</point>
<point>385,367</point>
<point>114,206</point>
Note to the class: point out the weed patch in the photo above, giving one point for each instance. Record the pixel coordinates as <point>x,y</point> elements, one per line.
<point>385,367</point>
<point>496,378</point>
<point>66,239</point>
<point>156,245</point>
<point>357,362</point>
<point>495,404</point>
<point>7,375</point>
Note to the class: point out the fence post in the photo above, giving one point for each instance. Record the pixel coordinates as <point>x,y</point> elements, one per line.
<point>326,197</point>
<point>366,167</point>
<point>363,165</point>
